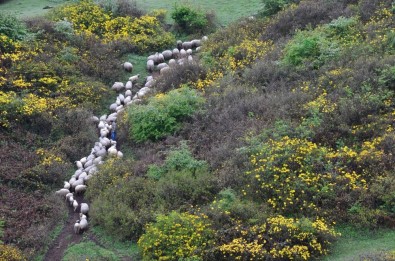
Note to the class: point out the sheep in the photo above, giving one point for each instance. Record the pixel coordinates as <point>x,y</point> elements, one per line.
<point>118,86</point>
<point>90,157</point>
<point>87,178</point>
<point>112,151</point>
<point>103,133</point>
<point>100,126</point>
<point>150,66</point>
<point>66,185</point>
<point>75,205</point>
<point>93,170</point>
<point>127,100</point>
<point>162,65</point>
<point>134,78</point>
<point>172,62</point>
<point>83,160</point>
<point>143,91</point>
<point>167,54</point>
<point>198,49</point>
<point>83,225</point>
<point>160,59</point>
<point>153,57</point>
<point>72,180</point>
<point>103,117</point>
<point>82,216</point>
<point>113,107</point>
<point>68,196</point>
<point>147,85</point>
<point>190,58</point>
<point>179,44</point>
<point>196,43</point>
<point>94,119</point>
<point>112,117</point>
<point>204,38</point>
<point>88,163</point>
<point>119,154</point>
<point>163,70</point>
<point>84,208</point>
<point>118,101</point>
<point>187,45</point>
<point>119,108</point>
<point>102,152</point>
<point>121,97</point>
<point>82,176</point>
<point>62,192</point>
<point>77,182</point>
<point>77,227</point>
<point>128,93</point>
<point>176,53</point>
<point>149,78</point>
<point>80,189</point>
<point>129,85</point>
<point>128,66</point>
<point>71,200</point>
<point>79,164</point>
<point>189,51</point>
<point>183,53</point>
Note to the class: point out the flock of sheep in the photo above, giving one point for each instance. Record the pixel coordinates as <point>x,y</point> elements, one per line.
<point>87,167</point>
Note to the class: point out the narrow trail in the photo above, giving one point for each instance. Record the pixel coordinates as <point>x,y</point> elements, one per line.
<point>66,237</point>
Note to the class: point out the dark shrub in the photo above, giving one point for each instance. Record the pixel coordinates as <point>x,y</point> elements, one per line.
<point>189,20</point>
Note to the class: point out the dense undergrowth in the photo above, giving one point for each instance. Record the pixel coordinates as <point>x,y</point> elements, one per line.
<point>283,129</point>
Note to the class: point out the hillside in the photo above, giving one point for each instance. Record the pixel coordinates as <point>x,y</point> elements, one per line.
<point>275,143</point>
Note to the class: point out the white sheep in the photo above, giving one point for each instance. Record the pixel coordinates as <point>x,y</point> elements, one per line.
<point>128,66</point>
<point>204,38</point>
<point>129,85</point>
<point>164,70</point>
<point>72,180</point>
<point>94,119</point>
<point>77,182</point>
<point>196,43</point>
<point>71,200</point>
<point>118,86</point>
<point>119,154</point>
<point>147,85</point>
<point>112,151</point>
<point>149,78</point>
<point>62,192</point>
<point>102,152</point>
<point>167,54</point>
<point>83,225</point>
<point>84,208</point>
<point>83,160</point>
<point>143,91</point>
<point>183,53</point>
<point>176,53</point>
<point>134,78</point>
<point>187,45</point>
<point>162,65</point>
<point>172,62</point>
<point>128,93</point>
<point>127,100</point>
<point>66,185</point>
<point>198,49</point>
<point>189,51</point>
<point>150,65</point>
<point>77,227</point>
<point>68,196</point>
<point>100,126</point>
<point>190,58</point>
<point>113,106</point>
<point>80,189</point>
<point>82,216</point>
<point>75,205</point>
<point>103,117</point>
<point>79,164</point>
<point>121,97</point>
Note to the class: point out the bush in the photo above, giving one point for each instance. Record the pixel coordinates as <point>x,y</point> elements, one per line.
<point>11,253</point>
<point>12,27</point>
<point>163,115</point>
<point>176,236</point>
<point>279,238</point>
<point>189,20</point>
<point>272,7</point>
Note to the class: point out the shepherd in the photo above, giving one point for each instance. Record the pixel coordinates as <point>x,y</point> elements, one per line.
<point>113,130</point>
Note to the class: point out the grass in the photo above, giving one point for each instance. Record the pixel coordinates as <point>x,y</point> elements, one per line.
<point>356,244</point>
<point>28,8</point>
<point>88,251</point>
<point>226,10</point>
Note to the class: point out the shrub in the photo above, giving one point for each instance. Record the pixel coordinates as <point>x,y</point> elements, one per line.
<point>272,7</point>
<point>12,27</point>
<point>189,20</point>
<point>176,236</point>
<point>11,253</point>
<point>163,115</point>
<point>305,239</point>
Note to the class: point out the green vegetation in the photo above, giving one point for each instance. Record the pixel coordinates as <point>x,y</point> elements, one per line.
<point>190,21</point>
<point>283,129</point>
<point>88,250</point>
<point>163,114</point>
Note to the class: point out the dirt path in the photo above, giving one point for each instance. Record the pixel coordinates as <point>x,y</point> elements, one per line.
<point>66,237</point>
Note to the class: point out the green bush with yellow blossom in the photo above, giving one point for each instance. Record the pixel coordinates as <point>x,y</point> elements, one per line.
<point>176,236</point>
<point>89,18</point>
